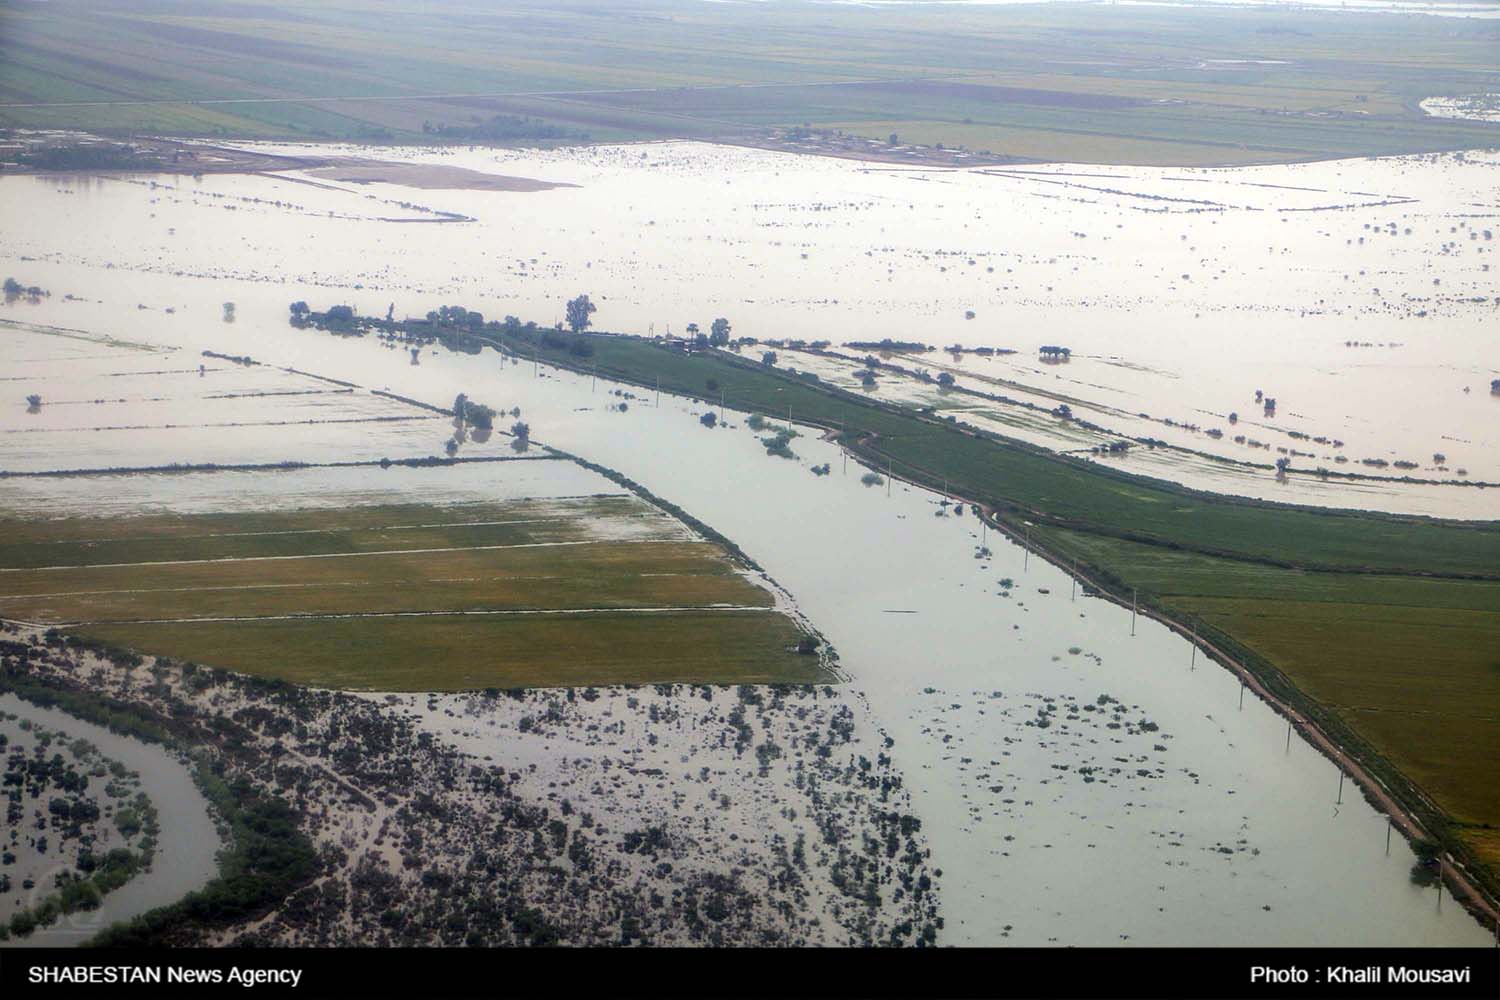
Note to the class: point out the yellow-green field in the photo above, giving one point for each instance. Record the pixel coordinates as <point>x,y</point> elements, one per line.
<point>592,590</point>
<point>461,653</point>
<point>1099,83</point>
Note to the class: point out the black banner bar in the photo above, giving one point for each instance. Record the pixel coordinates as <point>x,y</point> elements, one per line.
<point>960,974</point>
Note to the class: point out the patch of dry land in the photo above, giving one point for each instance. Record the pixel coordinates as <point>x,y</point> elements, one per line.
<point>427,176</point>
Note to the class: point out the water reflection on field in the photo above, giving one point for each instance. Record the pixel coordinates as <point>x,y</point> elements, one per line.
<point>1355,292</point>
<point>1079,785</point>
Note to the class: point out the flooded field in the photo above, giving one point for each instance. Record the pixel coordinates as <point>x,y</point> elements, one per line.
<point>186,843</point>
<point>901,595</point>
<point>1353,293</point>
<point>1093,781</point>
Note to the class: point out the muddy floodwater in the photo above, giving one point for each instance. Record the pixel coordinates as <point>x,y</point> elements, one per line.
<point>1356,294</point>
<point>1078,784</point>
<point>186,849</point>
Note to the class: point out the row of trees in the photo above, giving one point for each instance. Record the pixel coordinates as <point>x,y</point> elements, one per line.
<point>717,335</point>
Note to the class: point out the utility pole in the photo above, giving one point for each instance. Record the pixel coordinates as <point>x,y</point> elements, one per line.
<point>890,464</point>
<point>1026,556</point>
<point>1193,659</point>
<point>1132,610</point>
<point>658,391</point>
<point>1288,736</point>
<point>1390,825</point>
<point>1075,580</point>
<point>1340,800</point>
<point>721,406</point>
<point>1242,696</point>
<point>595,386</point>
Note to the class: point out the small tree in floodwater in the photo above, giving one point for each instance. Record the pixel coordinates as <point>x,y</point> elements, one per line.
<point>229,312</point>
<point>709,419</point>
<point>33,403</point>
<point>872,479</point>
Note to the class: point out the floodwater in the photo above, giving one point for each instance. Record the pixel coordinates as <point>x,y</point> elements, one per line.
<point>898,591</point>
<point>187,847</point>
<point>1205,826</point>
<point>1355,293</point>
<point>1475,107</point>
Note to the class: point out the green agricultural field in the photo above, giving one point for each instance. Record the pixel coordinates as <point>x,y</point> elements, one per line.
<point>1092,83</point>
<point>469,653</point>
<point>1384,629</point>
<point>595,590</point>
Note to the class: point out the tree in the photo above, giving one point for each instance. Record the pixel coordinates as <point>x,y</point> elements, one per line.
<point>34,401</point>
<point>945,379</point>
<point>708,419</point>
<point>579,310</point>
<point>460,404</point>
<point>692,331</point>
<point>521,431</point>
<point>719,333</point>
<point>229,312</point>
<point>768,359</point>
<point>479,415</point>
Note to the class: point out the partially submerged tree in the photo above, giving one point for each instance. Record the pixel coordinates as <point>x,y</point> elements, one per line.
<point>579,311</point>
